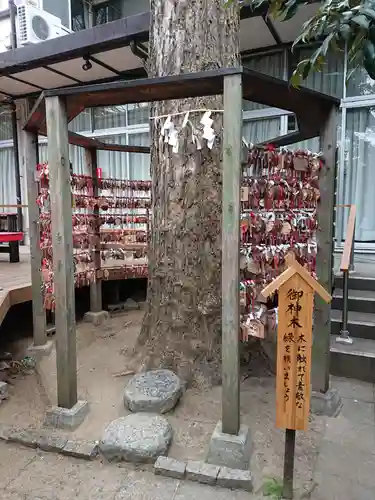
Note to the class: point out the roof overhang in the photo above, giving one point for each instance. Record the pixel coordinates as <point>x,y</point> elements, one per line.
<point>311,108</point>
<point>109,48</point>
<point>60,62</point>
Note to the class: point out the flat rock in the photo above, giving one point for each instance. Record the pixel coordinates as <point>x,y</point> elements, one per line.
<point>136,438</point>
<point>156,391</point>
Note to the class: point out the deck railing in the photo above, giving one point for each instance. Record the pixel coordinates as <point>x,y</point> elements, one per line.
<point>346,265</point>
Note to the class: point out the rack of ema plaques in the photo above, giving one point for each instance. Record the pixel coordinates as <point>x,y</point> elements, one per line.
<point>110,219</point>
<point>279,197</point>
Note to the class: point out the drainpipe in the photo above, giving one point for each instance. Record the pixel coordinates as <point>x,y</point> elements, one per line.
<point>13,39</point>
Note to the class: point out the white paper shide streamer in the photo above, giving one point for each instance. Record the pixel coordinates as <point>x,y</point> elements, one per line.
<point>170,133</point>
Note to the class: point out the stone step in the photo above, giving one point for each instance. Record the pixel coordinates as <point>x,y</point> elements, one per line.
<point>356,360</point>
<point>359,300</point>
<point>356,282</point>
<point>360,325</point>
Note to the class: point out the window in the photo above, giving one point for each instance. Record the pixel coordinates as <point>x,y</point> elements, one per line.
<point>121,116</point>
<point>106,12</point>
<point>5,123</point>
<point>359,174</point>
<point>78,15</point>
<point>261,130</point>
<point>360,84</point>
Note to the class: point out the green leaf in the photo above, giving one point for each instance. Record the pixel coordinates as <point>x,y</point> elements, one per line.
<point>369,51</point>
<point>371,33</point>
<point>290,12</point>
<point>362,21</point>
<point>325,44</point>
<point>370,68</point>
<point>306,70</point>
<point>296,79</point>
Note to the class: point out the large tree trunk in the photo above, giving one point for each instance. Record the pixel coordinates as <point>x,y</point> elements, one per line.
<point>182,324</point>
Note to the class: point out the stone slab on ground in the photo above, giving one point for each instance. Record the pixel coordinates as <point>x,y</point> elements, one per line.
<point>5,432</point>
<point>39,351</point>
<point>328,403</point>
<point>169,467</point>
<point>155,391</point>
<point>202,472</point>
<point>235,478</point>
<point>67,418</point>
<point>229,450</point>
<point>136,438</point>
<point>96,318</point>
<point>86,450</point>
<point>26,437</point>
<point>52,443</point>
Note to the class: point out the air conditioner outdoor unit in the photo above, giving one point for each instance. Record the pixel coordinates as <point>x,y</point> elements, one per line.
<point>36,25</point>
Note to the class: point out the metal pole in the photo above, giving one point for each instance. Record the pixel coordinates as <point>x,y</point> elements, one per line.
<point>290,440</point>
<point>344,337</point>
<point>351,266</point>
<point>13,39</point>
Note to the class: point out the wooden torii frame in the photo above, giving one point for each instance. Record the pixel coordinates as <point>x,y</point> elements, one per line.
<point>316,115</point>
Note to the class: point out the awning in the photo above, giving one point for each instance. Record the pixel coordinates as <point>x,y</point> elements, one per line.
<point>60,62</point>
<point>107,48</point>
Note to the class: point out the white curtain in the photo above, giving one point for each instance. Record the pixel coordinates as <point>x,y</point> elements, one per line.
<point>132,166</point>
<point>76,156</point>
<point>257,131</point>
<point>139,163</point>
<point>5,123</point>
<point>82,122</point>
<point>359,170</point>
<point>7,180</point>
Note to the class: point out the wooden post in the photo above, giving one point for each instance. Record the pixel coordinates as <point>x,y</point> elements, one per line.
<point>39,316</point>
<point>96,304</point>
<point>62,246</point>
<point>296,289</point>
<point>324,261</point>
<point>232,137</point>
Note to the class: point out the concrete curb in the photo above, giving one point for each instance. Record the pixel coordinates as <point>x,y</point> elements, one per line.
<point>50,442</point>
<point>197,471</point>
<point>204,473</point>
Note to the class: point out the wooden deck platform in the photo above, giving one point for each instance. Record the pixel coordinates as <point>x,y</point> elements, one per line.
<point>15,282</point>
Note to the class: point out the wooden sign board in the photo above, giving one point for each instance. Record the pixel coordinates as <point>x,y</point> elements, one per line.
<point>294,342</point>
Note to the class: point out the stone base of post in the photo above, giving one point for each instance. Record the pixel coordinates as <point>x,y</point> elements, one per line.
<point>327,403</point>
<point>97,318</point>
<point>40,350</point>
<point>230,450</point>
<point>67,418</point>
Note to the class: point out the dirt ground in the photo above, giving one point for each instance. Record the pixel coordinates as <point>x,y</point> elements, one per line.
<point>101,358</point>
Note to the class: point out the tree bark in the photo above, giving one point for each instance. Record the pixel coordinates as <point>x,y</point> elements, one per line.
<point>182,323</point>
